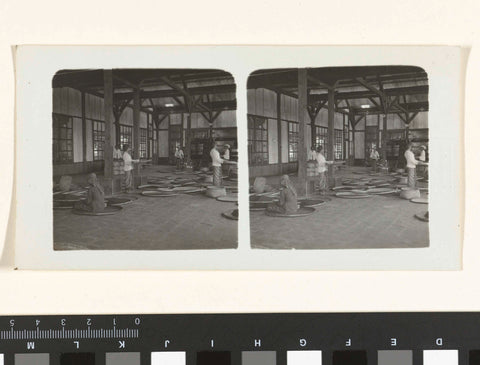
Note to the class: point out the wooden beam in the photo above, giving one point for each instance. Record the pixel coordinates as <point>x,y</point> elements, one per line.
<point>84,129</point>
<point>108,147</point>
<point>302,132</point>
<point>216,115</point>
<point>188,139</point>
<point>203,90</point>
<point>402,117</point>
<point>351,118</point>
<point>279,127</point>
<point>136,124</point>
<point>379,92</point>
<point>207,117</point>
<point>125,81</point>
<point>411,117</point>
<point>148,136</point>
<point>359,119</point>
<point>319,83</point>
<point>366,94</point>
<point>331,125</point>
<point>161,119</point>
<point>384,137</point>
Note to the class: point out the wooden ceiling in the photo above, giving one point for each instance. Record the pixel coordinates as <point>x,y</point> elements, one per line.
<point>359,90</point>
<point>162,91</point>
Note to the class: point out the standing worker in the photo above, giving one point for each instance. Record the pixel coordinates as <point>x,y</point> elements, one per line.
<point>226,152</point>
<point>411,166</point>
<point>321,170</point>
<point>128,167</point>
<point>117,152</point>
<point>217,162</point>
<point>422,157</point>
<point>226,157</point>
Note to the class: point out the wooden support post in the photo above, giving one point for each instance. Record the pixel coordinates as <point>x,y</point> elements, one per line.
<point>136,123</point>
<point>84,131</point>
<point>378,132</point>
<point>158,145</point>
<point>351,117</point>
<point>279,127</point>
<point>302,135</point>
<point>384,137</point>
<point>313,116</point>
<point>149,155</point>
<point>117,132</point>
<point>108,149</point>
<point>331,125</point>
<point>188,139</point>
<point>345,133</point>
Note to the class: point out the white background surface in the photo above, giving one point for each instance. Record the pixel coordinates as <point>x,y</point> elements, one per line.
<point>440,357</point>
<point>247,22</point>
<point>34,235</point>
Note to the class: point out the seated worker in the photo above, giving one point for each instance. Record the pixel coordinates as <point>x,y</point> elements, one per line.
<point>95,201</point>
<point>288,198</point>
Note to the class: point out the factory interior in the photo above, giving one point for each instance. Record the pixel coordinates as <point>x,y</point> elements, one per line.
<point>327,152</point>
<point>144,159</point>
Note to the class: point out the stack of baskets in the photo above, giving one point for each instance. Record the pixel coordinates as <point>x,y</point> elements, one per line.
<point>118,167</point>
<point>311,168</point>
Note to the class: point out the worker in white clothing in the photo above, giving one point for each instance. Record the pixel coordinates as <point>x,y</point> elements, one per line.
<point>374,157</point>
<point>226,152</point>
<point>422,157</point>
<point>217,162</point>
<point>117,152</point>
<point>226,157</point>
<point>412,163</point>
<point>128,167</point>
<point>322,170</point>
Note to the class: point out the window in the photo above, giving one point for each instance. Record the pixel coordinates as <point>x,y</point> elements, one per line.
<point>126,135</point>
<point>292,142</point>
<point>321,139</point>
<point>338,144</point>
<point>98,140</point>
<point>257,140</point>
<point>143,143</point>
<point>199,133</point>
<point>62,139</point>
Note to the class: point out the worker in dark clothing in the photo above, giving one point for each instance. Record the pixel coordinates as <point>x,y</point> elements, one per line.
<point>95,201</point>
<point>288,198</point>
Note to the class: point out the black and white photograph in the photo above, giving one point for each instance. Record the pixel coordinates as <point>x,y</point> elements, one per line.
<point>239,158</point>
<point>144,159</point>
<point>338,157</point>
